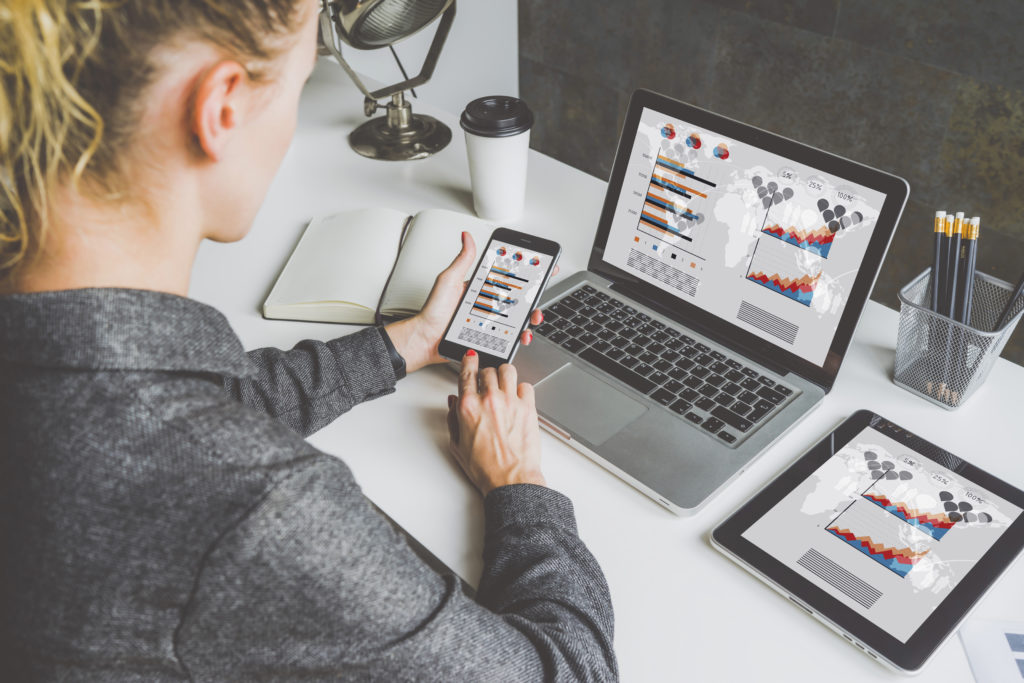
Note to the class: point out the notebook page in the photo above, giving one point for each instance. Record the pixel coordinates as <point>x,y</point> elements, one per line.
<point>432,242</point>
<point>343,259</point>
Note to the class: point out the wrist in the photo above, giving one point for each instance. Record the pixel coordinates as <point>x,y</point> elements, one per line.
<point>409,344</point>
<point>398,364</point>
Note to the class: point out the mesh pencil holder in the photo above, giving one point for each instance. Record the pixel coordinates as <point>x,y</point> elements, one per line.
<point>945,361</point>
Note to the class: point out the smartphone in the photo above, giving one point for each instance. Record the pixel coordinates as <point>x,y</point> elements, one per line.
<point>514,269</point>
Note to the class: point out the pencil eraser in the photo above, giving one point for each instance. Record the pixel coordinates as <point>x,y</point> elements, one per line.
<point>940,214</point>
<point>960,215</point>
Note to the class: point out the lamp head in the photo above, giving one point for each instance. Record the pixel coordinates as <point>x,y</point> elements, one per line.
<point>373,24</point>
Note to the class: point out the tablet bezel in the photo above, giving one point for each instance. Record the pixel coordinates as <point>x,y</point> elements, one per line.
<point>913,654</point>
<point>894,188</point>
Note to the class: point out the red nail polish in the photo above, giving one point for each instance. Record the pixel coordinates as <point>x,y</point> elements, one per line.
<point>471,352</point>
<point>541,317</point>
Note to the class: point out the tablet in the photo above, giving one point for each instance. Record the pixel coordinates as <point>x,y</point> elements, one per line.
<point>882,535</point>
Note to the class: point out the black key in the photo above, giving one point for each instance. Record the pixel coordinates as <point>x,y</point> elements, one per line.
<point>686,364</point>
<point>634,349</point>
<point>601,318</point>
<point>658,324</point>
<point>615,302</point>
<point>664,397</point>
<point>601,346</point>
<point>724,399</point>
<point>619,342</point>
<point>726,437</point>
<point>734,376</point>
<point>593,327</point>
<point>767,382</point>
<point>602,296</point>
<point>629,309</point>
<point>620,315</point>
<point>647,357</point>
<point>580,319</point>
<point>731,388</point>
<point>658,377</point>
<point>670,355</point>
<point>732,419</point>
<point>561,310</point>
<point>562,324</point>
<point>605,308</point>
<point>614,353</point>
<point>648,329</point>
<point>674,386</point>
<point>771,395</point>
<point>617,371</point>
<point>740,408</point>
<point>700,372</point>
<point>704,359</point>
<point>747,397</point>
<point>693,382</point>
<point>588,289</point>
<point>580,293</point>
<point>677,373</point>
<point>701,347</point>
<point>756,415</point>
<point>706,404</point>
<point>663,366</point>
<point>674,344</point>
<point>574,330</point>
<point>655,347</point>
<point>689,395</point>
<point>574,345</point>
<point>615,325</point>
<point>694,418</point>
<point>633,321</point>
<point>680,407</point>
<point>719,367</point>
<point>718,355</point>
<point>587,338</point>
<point>629,361</point>
<point>734,364</point>
<point>558,337</point>
<point>593,301</point>
<point>750,384</point>
<point>785,391</point>
<point>672,334</point>
<point>644,317</point>
<point>545,329</point>
<point>712,424</point>
<point>605,334</point>
<point>642,339</point>
<point>643,369</point>
<point>750,373</point>
<point>715,380</point>
<point>550,315</point>
<point>688,340</point>
<point>628,333</point>
<point>660,336</point>
<point>708,390</point>
<point>764,405</point>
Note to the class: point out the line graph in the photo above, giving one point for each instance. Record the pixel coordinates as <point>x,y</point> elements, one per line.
<point>934,524</point>
<point>817,241</point>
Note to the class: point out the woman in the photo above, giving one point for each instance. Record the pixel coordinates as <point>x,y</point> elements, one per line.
<point>163,518</point>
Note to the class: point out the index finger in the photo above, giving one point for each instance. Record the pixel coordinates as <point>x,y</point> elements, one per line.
<point>467,376</point>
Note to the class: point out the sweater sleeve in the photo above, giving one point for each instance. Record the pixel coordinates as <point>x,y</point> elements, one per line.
<point>309,386</point>
<point>315,584</point>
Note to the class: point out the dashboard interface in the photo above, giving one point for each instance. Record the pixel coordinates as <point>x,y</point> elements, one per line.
<point>884,530</point>
<point>500,296</point>
<point>758,240</point>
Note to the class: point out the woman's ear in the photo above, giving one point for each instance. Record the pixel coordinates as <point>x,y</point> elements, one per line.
<point>217,102</point>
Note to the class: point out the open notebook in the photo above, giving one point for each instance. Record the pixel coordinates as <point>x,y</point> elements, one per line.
<point>369,264</point>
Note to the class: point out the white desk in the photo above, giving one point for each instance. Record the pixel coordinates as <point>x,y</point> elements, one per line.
<point>682,610</point>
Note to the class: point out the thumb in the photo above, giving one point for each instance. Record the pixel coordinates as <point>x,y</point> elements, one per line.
<point>462,262</point>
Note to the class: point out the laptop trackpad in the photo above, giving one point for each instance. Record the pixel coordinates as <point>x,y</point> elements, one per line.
<point>584,405</point>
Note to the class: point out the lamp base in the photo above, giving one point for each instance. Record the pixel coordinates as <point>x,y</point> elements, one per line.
<point>379,139</point>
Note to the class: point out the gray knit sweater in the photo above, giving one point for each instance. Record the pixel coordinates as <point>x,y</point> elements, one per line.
<point>162,518</point>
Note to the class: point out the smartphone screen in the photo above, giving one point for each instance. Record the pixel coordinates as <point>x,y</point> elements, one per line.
<point>500,297</point>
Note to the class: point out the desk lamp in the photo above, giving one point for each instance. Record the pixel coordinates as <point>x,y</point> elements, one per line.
<point>374,24</point>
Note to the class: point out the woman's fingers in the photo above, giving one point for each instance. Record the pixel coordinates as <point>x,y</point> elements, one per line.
<point>453,419</point>
<point>537,317</point>
<point>507,378</point>
<point>467,377</point>
<point>488,380</point>
<point>526,337</point>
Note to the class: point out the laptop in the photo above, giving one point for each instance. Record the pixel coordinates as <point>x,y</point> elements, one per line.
<point>728,273</point>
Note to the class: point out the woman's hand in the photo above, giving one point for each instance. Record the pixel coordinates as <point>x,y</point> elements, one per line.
<point>417,338</point>
<point>493,427</point>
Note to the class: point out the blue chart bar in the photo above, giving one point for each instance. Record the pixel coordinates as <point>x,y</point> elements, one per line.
<point>663,226</point>
<point>670,187</point>
<point>506,273</point>
<point>662,204</point>
<point>490,310</point>
<point>671,165</point>
<point>498,284</point>
<point>500,300</point>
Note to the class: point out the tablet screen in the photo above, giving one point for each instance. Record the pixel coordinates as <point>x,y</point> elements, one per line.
<point>884,530</point>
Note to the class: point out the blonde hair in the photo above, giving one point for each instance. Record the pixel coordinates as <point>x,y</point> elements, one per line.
<point>71,75</point>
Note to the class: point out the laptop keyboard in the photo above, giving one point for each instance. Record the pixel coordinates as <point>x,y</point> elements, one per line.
<point>709,389</point>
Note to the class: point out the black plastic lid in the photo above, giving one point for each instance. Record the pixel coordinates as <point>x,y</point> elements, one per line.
<point>497,116</point>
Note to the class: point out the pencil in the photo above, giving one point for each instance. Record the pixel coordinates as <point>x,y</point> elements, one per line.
<point>947,235</point>
<point>940,226</point>
<point>954,263</point>
<point>970,256</point>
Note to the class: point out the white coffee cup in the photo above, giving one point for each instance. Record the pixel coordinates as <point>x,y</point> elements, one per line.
<point>497,143</point>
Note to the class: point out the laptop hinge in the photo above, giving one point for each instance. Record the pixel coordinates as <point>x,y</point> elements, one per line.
<point>754,354</point>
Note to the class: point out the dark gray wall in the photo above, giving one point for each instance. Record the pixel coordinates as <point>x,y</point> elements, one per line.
<point>931,90</point>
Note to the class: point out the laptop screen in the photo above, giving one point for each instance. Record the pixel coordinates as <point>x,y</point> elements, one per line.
<point>759,240</point>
